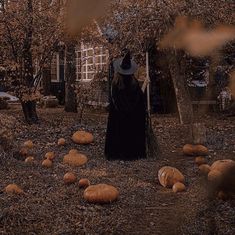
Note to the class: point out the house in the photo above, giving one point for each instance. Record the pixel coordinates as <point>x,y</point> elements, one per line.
<point>89,62</point>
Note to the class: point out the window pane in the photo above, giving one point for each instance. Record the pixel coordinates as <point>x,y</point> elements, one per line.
<point>97,59</point>
<point>90,60</point>
<point>90,53</point>
<point>104,59</point>
<point>90,76</point>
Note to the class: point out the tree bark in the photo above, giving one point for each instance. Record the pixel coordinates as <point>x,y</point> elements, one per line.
<point>199,133</point>
<point>30,113</point>
<point>29,106</point>
<point>153,76</point>
<point>183,99</point>
<point>70,77</point>
<point>46,81</point>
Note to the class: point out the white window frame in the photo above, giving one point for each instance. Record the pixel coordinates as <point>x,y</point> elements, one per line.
<point>57,62</point>
<point>83,64</point>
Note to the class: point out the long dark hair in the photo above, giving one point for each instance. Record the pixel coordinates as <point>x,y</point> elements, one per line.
<point>119,80</point>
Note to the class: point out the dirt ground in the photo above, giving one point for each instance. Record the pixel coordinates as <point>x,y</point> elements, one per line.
<point>144,207</point>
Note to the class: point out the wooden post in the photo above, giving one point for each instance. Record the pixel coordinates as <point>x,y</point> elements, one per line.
<point>199,133</point>
<point>183,99</point>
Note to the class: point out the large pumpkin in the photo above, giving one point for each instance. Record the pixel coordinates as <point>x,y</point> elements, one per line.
<point>101,193</point>
<point>222,176</point>
<point>73,151</point>
<point>168,176</point>
<point>82,137</point>
<point>76,159</point>
<point>223,165</point>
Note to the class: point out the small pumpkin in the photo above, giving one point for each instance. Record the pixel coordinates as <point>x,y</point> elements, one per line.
<point>200,160</point>
<point>82,137</point>
<point>13,189</point>
<point>204,169</point>
<point>101,193</point>
<point>28,144</point>
<point>84,183</point>
<point>77,159</point>
<point>168,176</point>
<point>200,150</point>
<point>73,151</point>
<point>195,150</point>
<point>23,152</point>
<point>50,156</point>
<point>61,142</point>
<point>188,149</point>
<point>222,195</point>
<point>178,187</point>
<point>47,163</point>
<point>70,178</point>
<point>29,159</point>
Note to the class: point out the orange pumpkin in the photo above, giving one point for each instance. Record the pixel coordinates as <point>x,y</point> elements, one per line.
<point>195,150</point>
<point>70,178</point>
<point>222,195</point>
<point>28,144</point>
<point>61,142</point>
<point>178,187</point>
<point>83,183</point>
<point>23,152</point>
<point>222,176</point>
<point>47,163</point>
<point>29,159</point>
<point>223,165</point>
<point>82,137</point>
<point>200,160</point>
<point>205,169</point>
<point>200,150</point>
<point>188,149</point>
<point>77,159</point>
<point>50,156</point>
<point>13,189</point>
<point>168,176</point>
<point>73,151</point>
<point>215,177</point>
<point>101,193</point>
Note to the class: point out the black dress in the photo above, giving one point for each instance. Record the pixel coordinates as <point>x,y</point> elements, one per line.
<point>125,137</point>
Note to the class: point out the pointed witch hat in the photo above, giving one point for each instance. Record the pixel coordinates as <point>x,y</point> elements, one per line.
<point>125,65</point>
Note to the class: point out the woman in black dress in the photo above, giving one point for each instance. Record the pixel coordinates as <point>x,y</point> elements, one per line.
<point>125,137</point>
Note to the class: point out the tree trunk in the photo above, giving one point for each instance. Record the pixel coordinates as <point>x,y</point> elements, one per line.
<point>29,106</point>
<point>154,96</point>
<point>70,77</point>
<point>199,133</point>
<point>183,99</point>
<point>46,81</point>
<point>30,113</point>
